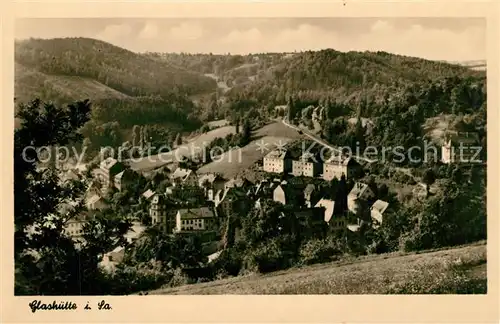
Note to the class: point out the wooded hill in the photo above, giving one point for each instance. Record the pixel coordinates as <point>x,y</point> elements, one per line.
<point>124,87</point>
<point>125,71</point>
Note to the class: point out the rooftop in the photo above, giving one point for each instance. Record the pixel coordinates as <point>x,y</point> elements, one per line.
<point>181,173</point>
<point>202,212</point>
<point>339,160</point>
<point>148,193</point>
<point>329,206</point>
<point>462,137</point>
<point>380,206</point>
<point>307,157</point>
<point>238,182</point>
<point>358,189</point>
<point>277,154</point>
<point>93,199</point>
<point>108,163</point>
<point>158,199</point>
<point>208,177</point>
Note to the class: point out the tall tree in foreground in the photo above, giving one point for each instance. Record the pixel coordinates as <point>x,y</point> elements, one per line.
<point>47,261</point>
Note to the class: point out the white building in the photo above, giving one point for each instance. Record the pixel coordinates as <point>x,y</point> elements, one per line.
<point>277,161</point>
<point>160,213</point>
<point>359,193</point>
<point>377,211</point>
<point>195,219</point>
<point>306,166</point>
<point>184,177</point>
<point>337,166</point>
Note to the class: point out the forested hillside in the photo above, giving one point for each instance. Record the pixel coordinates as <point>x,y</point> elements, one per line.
<point>118,68</point>
<point>396,93</point>
<point>125,88</point>
<point>341,76</point>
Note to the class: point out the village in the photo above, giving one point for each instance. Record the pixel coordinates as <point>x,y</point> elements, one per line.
<point>203,203</point>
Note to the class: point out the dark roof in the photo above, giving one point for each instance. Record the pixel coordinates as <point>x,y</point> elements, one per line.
<point>202,212</point>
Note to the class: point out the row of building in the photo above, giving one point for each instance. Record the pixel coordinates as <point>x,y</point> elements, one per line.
<point>281,162</point>
<point>239,195</point>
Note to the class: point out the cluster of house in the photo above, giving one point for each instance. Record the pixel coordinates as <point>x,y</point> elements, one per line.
<point>237,196</point>
<point>110,174</point>
<point>214,196</point>
<point>281,162</point>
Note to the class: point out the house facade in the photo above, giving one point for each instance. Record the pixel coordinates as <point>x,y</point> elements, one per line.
<point>460,148</point>
<point>161,213</point>
<point>95,202</point>
<point>106,173</point>
<point>358,197</point>
<point>336,221</point>
<point>311,221</point>
<point>377,212</point>
<point>288,194</point>
<point>232,201</point>
<point>74,226</point>
<point>211,183</point>
<point>336,167</point>
<point>195,220</point>
<point>306,166</point>
<point>124,179</point>
<point>277,161</point>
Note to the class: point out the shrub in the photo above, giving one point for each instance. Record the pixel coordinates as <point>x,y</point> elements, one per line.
<point>267,257</point>
<point>317,251</point>
<point>229,262</point>
<point>179,278</point>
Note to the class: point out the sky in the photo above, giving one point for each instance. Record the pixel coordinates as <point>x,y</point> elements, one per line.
<point>451,39</point>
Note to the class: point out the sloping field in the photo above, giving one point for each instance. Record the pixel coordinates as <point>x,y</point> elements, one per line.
<point>267,138</point>
<point>186,150</point>
<point>218,123</point>
<point>233,161</point>
<point>460,270</point>
<point>29,83</point>
<point>277,129</point>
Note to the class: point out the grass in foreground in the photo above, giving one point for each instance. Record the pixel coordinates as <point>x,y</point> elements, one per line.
<point>460,270</point>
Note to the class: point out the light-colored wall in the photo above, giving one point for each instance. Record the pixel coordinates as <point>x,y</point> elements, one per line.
<point>279,195</point>
<point>274,165</point>
<point>331,171</point>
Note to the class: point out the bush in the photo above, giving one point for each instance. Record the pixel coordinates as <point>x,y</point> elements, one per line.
<point>228,263</point>
<point>179,278</point>
<point>318,251</point>
<point>127,280</point>
<point>266,257</point>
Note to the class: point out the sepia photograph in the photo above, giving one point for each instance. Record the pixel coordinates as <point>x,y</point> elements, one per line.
<point>250,156</point>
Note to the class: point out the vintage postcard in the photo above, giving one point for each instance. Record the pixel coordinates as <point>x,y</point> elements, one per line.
<point>250,152</point>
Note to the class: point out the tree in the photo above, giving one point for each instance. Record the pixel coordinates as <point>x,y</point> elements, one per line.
<point>178,139</point>
<point>135,135</point>
<point>237,125</point>
<point>428,179</point>
<point>46,260</point>
<point>247,133</point>
<point>290,110</point>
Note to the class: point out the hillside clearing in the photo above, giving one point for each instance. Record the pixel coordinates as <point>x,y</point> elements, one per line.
<point>236,160</point>
<point>186,150</point>
<point>455,271</point>
<point>436,127</point>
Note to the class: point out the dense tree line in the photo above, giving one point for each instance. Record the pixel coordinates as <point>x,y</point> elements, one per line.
<point>47,261</point>
<point>120,69</point>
